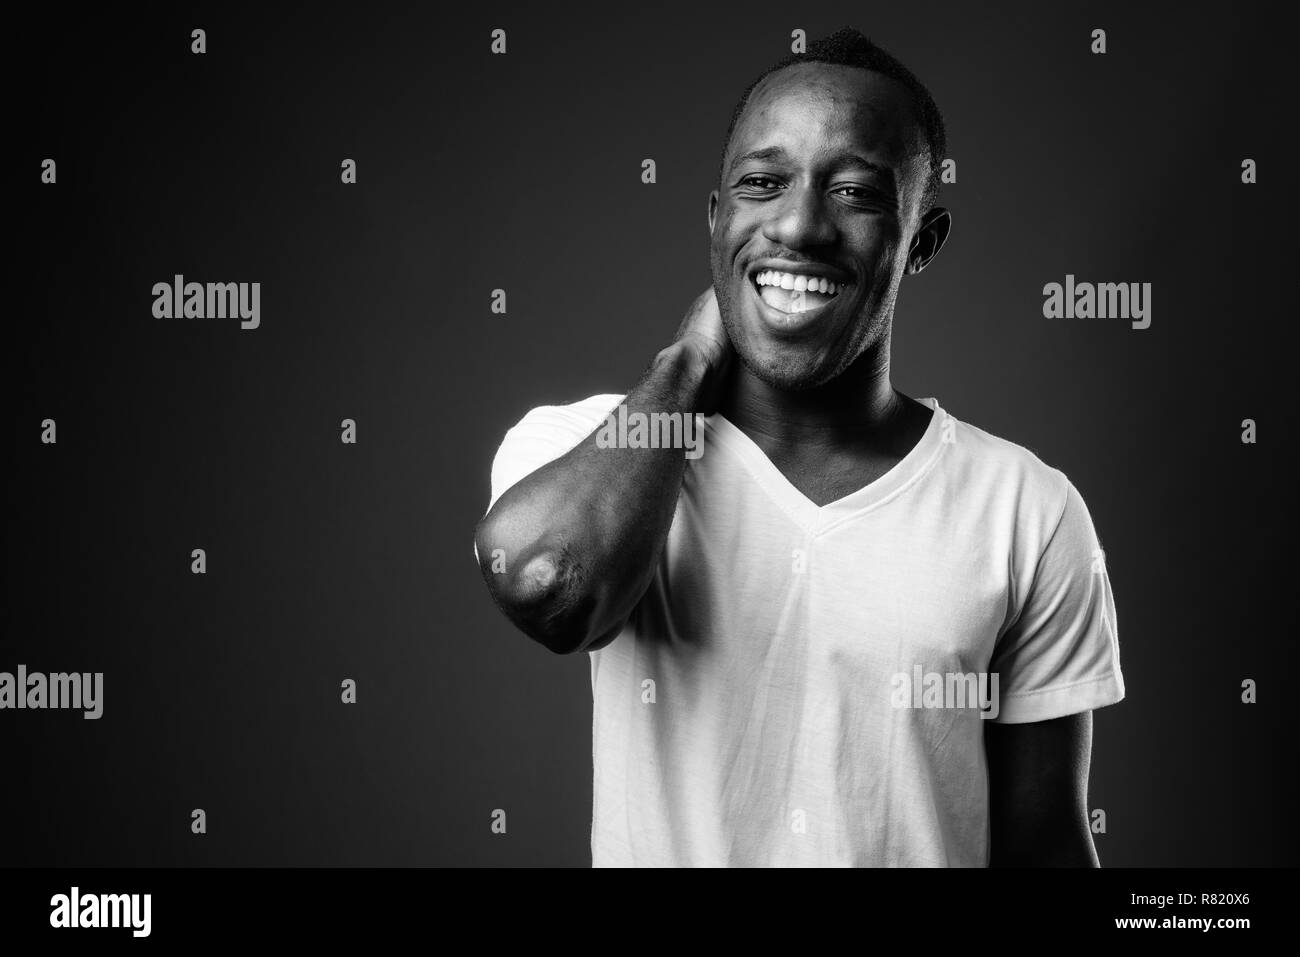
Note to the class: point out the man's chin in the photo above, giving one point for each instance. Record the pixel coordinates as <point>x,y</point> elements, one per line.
<point>790,366</point>
<point>786,373</point>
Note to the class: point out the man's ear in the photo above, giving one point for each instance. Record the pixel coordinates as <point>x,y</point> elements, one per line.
<point>713,209</point>
<point>929,239</point>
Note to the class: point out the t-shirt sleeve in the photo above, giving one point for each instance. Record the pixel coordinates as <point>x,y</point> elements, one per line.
<point>1061,654</point>
<point>542,436</point>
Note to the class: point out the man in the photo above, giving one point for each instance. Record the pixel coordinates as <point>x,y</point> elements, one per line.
<point>766,621</point>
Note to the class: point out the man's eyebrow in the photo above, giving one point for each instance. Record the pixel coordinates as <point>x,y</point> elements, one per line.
<point>851,160</point>
<point>855,161</point>
<point>768,153</point>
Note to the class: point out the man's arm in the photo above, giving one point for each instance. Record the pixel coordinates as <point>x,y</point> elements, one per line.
<point>1038,793</point>
<point>582,534</point>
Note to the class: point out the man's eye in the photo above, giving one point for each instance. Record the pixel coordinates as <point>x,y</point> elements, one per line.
<point>757,181</point>
<point>856,192</point>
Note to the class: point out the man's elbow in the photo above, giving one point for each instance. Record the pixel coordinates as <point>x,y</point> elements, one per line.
<point>545,603</point>
<point>541,593</point>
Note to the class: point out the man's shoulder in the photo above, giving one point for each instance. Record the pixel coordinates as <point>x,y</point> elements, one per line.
<point>988,462</point>
<point>586,412</point>
<point>544,434</point>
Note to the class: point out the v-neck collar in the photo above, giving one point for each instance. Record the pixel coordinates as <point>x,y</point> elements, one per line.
<point>810,516</point>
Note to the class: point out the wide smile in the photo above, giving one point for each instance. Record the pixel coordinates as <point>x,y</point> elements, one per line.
<point>790,301</point>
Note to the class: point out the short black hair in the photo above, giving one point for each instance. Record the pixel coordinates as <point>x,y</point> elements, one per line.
<point>848,47</point>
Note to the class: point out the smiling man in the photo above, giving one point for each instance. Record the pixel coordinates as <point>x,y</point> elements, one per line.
<point>748,613</point>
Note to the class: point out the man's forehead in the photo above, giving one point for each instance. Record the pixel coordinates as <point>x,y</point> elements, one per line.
<point>847,107</point>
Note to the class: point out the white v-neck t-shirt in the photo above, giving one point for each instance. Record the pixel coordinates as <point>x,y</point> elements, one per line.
<point>787,692</point>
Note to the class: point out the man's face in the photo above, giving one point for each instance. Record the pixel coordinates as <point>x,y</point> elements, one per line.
<point>823,181</point>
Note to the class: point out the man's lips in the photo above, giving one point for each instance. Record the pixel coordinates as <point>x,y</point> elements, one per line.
<point>795,288</point>
<point>794,315</point>
<point>793,297</point>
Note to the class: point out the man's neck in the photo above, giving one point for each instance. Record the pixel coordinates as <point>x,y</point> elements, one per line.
<point>858,407</point>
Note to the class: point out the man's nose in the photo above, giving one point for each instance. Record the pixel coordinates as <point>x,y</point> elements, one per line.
<point>800,219</point>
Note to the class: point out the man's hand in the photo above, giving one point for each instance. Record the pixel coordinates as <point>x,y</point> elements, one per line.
<point>702,333</point>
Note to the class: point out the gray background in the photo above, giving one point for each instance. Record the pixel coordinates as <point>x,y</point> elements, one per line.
<point>523,172</point>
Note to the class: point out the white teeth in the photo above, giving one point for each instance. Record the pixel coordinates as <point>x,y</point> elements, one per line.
<point>796,282</point>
